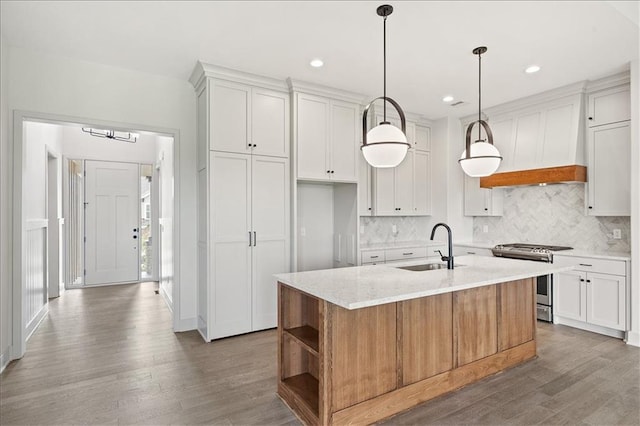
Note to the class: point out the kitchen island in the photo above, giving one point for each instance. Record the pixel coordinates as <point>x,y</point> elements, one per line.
<point>356,345</point>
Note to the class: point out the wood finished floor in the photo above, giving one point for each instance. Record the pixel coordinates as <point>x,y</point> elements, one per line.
<point>108,356</point>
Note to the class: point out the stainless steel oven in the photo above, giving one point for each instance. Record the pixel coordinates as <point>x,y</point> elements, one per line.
<point>544,284</point>
<point>544,291</point>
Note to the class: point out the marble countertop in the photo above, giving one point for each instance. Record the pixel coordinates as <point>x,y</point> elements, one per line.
<point>371,285</point>
<point>402,244</point>
<point>611,255</point>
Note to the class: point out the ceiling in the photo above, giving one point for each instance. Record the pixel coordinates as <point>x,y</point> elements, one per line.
<point>429,43</point>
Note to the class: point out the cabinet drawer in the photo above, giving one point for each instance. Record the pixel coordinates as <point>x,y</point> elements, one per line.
<point>372,256</point>
<point>589,264</point>
<point>460,250</point>
<point>406,253</point>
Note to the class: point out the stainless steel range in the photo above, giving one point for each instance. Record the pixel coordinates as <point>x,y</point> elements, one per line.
<point>540,253</point>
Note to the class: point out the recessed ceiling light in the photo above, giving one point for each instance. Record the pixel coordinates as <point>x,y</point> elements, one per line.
<point>531,69</point>
<point>447,98</point>
<point>316,63</point>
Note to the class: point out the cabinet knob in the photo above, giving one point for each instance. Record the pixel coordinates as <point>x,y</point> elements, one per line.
<point>369,208</point>
<point>581,280</point>
<point>590,207</point>
<point>588,281</point>
<point>332,171</point>
<point>590,118</point>
<point>486,209</point>
<point>328,171</point>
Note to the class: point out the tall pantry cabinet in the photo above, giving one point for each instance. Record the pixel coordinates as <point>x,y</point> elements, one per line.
<point>243,199</point>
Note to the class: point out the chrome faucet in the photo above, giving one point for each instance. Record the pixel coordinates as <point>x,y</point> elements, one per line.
<point>448,259</point>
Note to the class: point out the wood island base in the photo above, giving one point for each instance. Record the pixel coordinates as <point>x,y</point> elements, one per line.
<point>340,366</point>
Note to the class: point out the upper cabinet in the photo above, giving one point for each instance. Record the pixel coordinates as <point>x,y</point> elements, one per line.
<point>326,135</point>
<point>481,201</point>
<point>608,152</point>
<point>422,138</point>
<point>609,106</point>
<point>245,119</point>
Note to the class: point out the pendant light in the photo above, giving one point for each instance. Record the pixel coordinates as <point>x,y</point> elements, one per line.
<point>385,145</point>
<point>480,158</point>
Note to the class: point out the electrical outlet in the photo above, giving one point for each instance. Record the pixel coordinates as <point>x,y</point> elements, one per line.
<point>303,231</point>
<point>617,234</point>
<point>485,228</point>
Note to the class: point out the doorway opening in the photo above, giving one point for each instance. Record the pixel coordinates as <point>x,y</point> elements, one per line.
<point>53,193</point>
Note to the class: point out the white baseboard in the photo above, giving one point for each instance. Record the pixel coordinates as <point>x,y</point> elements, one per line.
<point>186,324</point>
<point>5,357</point>
<point>633,338</point>
<point>589,327</point>
<point>35,322</point>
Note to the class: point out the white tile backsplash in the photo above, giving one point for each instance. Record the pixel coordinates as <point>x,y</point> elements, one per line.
<point>552,214</point>
<point>379,229</point>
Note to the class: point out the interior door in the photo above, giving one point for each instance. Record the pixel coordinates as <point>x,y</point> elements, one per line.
<point>111,222</point>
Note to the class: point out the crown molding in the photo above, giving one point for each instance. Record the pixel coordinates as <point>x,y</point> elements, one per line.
<point>202,71</point>
<point>618,79</point>
<point>320,90</point>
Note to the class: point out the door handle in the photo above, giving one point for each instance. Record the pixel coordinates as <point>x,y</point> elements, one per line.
<point>254,238</point>
<point>250,243</point>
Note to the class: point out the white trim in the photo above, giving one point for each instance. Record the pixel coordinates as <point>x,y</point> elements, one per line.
<point>186,324</point>
<point>203,70</point>
<point>19,224</point>
<point>37,319</point>
<point>589,327</point>
<point>326,91</point>
<point>633,338</point>
<point>620,79</point>
<point>4,358</point>
<point>165,297</point>
<point>32,224</point>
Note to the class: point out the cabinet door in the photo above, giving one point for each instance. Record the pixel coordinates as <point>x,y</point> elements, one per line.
<point>344,141</point>
<point>230,262</point>
<point>422,141</point>
<point>270,222</point>
<point>364,187</point>
<point>229,117</point>
<point>384,192</point>
<point>609,106</point>
<point>569,295</point>
<point>609,170</point>
<point>269,122</point>
<point>559,129</point>
<point>422,183</point>
<point>475,198</point>
<point>404,185</point>
<point>312,137</point>
<point>606,297</point>
<point>504,140</point>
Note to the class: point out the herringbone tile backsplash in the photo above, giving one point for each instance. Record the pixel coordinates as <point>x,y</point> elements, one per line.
<point>552,214</point>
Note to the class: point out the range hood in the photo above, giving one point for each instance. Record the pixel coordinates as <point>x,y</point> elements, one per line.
<point>547,175</point>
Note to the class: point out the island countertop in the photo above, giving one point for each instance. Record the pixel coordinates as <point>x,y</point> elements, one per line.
<point>363,286</point>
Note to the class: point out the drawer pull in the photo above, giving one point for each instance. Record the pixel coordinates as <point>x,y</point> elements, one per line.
<point>471,252</point>
<point>585,264</point>
<point>407,254</point>
<point>373,257</point>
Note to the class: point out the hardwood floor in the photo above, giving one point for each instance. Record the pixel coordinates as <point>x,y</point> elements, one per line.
<point>108,355</point>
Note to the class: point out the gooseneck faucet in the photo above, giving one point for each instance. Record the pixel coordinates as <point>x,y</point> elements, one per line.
<point>448,259</point>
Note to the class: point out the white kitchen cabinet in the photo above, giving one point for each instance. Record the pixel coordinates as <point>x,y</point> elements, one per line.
<point>422,183</point>
<point>592,296</point>
<point>464,250</point>
<point>609,106</point>
<point>481,201</point>
<point>245,119</point>
<point>404,190</point>
<point>249,241</point>
<point>365,201</point>
<point>326,139</point>
<point>396,255</point>
<point>609,170</point>
<point>422,138</point>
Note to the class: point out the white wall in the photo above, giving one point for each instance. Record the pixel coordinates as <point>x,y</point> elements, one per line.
<point>77,144</point>
<point>57,85</point>
<point>634,335</point>
<point>5,210</point>
<point>461,226</point>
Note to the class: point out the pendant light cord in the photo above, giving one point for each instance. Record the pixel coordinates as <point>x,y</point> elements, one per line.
<point>384,72</point>
<point>479,95</point>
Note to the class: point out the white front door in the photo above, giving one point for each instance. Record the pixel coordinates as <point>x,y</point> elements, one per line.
<point>111,222</point>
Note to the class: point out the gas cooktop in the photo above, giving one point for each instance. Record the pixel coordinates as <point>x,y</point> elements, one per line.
<point>527,251</point>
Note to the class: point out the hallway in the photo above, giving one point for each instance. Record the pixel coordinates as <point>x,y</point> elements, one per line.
<point>107,355</point>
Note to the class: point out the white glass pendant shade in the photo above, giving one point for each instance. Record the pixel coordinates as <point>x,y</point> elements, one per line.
<point>485,160</point>
<point>386,146</point>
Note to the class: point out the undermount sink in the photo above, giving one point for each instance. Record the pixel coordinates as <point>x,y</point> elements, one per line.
<point>425,267</point>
